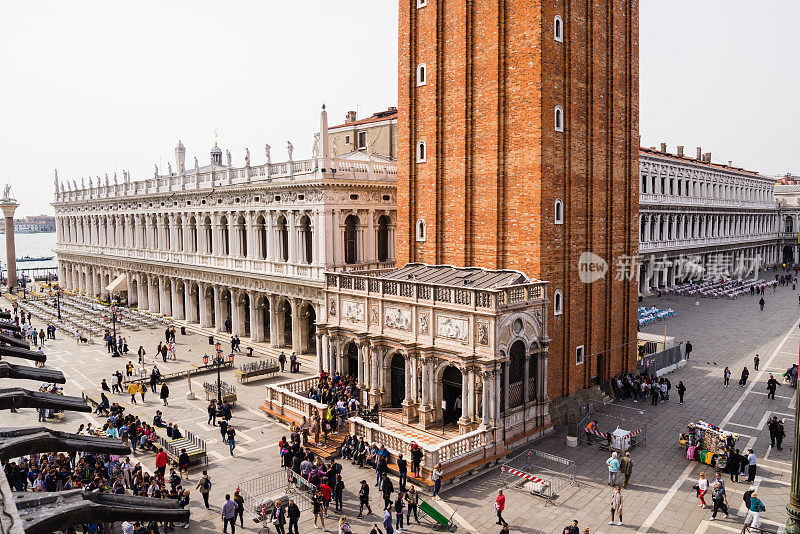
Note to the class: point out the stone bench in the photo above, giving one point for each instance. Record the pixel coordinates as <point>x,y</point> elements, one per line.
<point>244,376</point>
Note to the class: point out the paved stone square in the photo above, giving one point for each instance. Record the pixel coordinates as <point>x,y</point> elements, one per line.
<point>659,498</point>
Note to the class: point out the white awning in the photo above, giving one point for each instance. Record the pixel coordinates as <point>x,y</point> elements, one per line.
<point>119,284</point>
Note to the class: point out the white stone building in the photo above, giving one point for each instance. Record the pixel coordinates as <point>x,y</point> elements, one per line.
<point>692,208</point>
<point>239,249</point>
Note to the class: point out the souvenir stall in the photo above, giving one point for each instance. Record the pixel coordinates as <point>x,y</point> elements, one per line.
<point>708,443</point>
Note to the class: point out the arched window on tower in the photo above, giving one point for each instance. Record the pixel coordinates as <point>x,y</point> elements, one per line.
<point>421,230</point>
<point>558,119</point>
<point>558,212</point>
<point>558,302</point>
<point>422,152</point>
<point>558,29</point>
<point>422,74</point>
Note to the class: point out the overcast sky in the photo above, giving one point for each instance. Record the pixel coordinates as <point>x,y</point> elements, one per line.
<point>96,87</point>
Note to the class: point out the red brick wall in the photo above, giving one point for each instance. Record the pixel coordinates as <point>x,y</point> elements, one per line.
<point>495,164</point>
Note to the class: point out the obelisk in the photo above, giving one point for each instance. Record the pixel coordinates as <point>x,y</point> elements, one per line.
<point>8,205</point>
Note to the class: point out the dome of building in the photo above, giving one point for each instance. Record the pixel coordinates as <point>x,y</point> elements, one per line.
<point>216,150</point>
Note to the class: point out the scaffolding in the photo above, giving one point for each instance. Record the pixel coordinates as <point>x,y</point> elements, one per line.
<point>540,473</point>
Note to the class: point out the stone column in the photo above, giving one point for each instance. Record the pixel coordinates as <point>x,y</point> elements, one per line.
<point>205,316</point>
<point>188,302</point>
<point>326,353</point>
<point>296,345</point>
<point>273,322</point>
<point>320,355</point>
<point>219,321</point>
<point>256,323</point>
<point>486,403</point>
<point>177,308</point>
<point>463,420</point>
<point>426,414</point>
<point>470,397</point>
<point>152,295</point>
<point>363,355</point>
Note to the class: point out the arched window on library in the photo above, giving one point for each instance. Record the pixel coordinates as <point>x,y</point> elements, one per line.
<point>383,238</point>
<point>558,212</point>
<point>558,119</point>
<point>558,29</point>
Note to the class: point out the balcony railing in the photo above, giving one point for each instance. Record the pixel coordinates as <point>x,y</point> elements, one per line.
<point>646,246</point>
<point>653,198</point>
<point>290,171</point>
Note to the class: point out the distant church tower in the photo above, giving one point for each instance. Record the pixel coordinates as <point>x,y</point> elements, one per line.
<point>216,155</point>
<point>518,148</point>
<point>180,157</point>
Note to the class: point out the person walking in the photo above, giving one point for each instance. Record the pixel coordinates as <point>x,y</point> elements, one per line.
<point>751,466</point>
<point>282,360</point>
<point>755,362</point>
<point>318,509</point>
<point>499,506</point>
<point>204,485</point>
<point>681,391</point>
<point>720,500</point>
<point>363,500</point>
<point>761,303</point>
<point>212,413</point>
<point>702,489</point>
<point>412,501</point>
<point>279,517</point>
<point>338,490</point>
<point>437,479</point>
<point>780,433</point>
<point>613,469</point>
<point>655,393</point>
<point>727,374</point>
<point>229,515</point>
<point>133,389</point>
<point>743,379</point>
<point>344,526</point>
<point>223,430</point>
<point>616,506</point>
<point>754,511</point>
<point>239,500</point>
<point>387,488</point>
<point>164,393</point>
<point>231,434</point>
<point>688,349</point>
<point>142,390</point>
<point>141,352</point>
<point>626,466</point>
<point>399,505</point>
<point>772,385</point>
<point>293,513</point>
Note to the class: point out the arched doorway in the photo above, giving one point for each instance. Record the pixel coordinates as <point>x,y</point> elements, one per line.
<point>350,246</point>
<point>516,374</point>
<point>352,359</point>
<point>287,324</point>
<point>383,238</point>
<point>788,255</point>
<point>398,380</point>
<point>311,329</point>
<point>451,394</point>
<point>246,312</point>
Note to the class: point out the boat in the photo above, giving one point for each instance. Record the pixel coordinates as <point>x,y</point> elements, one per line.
<point>28,258</point>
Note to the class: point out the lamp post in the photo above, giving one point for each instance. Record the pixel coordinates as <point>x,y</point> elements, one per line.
<point>115,353</point>
<point>793,508</point>
<point>58,300</point>
<point>219,361</point>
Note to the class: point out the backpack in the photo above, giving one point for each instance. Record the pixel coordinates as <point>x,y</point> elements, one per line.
<point>206,483</point>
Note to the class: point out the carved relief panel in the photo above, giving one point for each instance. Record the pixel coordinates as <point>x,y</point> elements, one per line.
<point>396,317</point>
<point>452,327</point>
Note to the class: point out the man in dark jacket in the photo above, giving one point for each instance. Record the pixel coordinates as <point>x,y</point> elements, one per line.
<point>772,385</point>
<point>293,511</point>
<point>734,465</point>
<point>387,488</point>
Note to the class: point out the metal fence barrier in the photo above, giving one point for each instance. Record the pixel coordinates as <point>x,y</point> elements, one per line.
<point>538,472</point>
<point>269,487</point>
<point>653,363</point>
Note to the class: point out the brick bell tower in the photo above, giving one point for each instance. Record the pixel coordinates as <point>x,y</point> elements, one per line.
<point>518,148</point>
